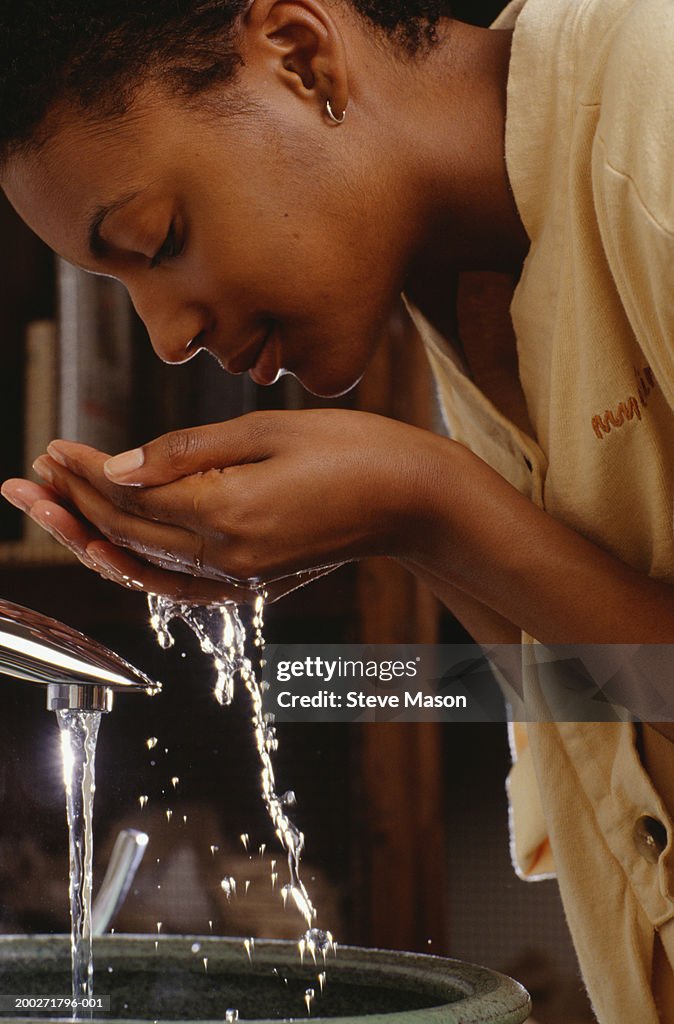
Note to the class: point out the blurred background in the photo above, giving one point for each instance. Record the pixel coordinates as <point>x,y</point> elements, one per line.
<point>406,825</point>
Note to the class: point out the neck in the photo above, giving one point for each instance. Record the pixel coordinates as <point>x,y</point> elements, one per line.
<point>456,168</point>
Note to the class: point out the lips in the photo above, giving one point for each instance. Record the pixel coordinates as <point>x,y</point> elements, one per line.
<point>267,366</point>
<point>248,358</point>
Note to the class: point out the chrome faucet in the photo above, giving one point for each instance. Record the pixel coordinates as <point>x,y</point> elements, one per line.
<point>79,673</point>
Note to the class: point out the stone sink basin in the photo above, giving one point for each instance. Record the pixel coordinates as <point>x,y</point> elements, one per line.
<point>164,979</point>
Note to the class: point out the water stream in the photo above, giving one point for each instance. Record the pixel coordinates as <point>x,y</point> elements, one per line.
<point>222,635</point>
<point>79,732</point>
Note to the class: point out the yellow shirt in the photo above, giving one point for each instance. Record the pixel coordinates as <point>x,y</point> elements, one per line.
<point>590,153</point>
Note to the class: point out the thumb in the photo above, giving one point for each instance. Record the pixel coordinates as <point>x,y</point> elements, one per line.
<point>181,453</point>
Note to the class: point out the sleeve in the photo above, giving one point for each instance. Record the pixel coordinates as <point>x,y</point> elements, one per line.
<point>633,178</point>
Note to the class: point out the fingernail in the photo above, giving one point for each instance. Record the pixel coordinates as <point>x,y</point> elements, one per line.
<point>43,469</point>
<point>101,562</point>
<point>56,454</point>
<point>16,499</point>
<point>121,466</point>
<point>110,572</point>
<point>44,522</point>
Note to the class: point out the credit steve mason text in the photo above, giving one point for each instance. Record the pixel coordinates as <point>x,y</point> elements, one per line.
<point>374,701</point>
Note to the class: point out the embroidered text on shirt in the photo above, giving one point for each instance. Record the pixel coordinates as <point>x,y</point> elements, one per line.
<point>628,410</point>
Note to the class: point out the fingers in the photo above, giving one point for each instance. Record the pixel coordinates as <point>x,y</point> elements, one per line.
<point>132,573</point>
<point>45,507</point>
<point>185,452</point>
<point>42,504</point>
<point>87,463</point>
<point>24,493</point>
<point>170,547</point>
<point>190,502</point>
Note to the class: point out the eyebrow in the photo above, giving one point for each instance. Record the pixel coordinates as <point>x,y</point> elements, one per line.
<point>97,246</point>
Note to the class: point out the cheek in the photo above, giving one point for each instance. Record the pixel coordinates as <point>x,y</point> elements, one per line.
<point>298,258</point>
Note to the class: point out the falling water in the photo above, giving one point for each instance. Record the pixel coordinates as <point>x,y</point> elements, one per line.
<point>222,635</point>
<point>79,732</point>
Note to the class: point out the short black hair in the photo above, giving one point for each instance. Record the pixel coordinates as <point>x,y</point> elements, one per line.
<point>96,52</point>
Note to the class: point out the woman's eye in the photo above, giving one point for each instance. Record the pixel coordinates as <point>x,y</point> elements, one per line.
<point>170,247</point>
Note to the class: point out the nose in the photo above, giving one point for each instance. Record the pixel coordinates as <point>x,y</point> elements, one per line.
<point>175,349</point>
<point>176,329</point>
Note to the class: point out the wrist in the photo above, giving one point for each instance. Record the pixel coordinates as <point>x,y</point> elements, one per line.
<point>424,515</point>
<point>456,533</point>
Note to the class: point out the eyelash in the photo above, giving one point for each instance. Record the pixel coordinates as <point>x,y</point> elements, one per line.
<point>170,249</point>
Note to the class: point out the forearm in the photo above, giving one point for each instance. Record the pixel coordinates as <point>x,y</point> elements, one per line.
<point>484,625</point>
<point>498,549</point>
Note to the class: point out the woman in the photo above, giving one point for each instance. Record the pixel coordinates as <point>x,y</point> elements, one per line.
<point>265,177</point>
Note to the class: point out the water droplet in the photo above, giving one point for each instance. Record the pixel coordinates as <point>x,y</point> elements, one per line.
<point>151,742</point>
<point>247,887</point>
<point>159,924</point>
<point>142,800</point>
<point>244,837</point>
<point>228,886</point>
<point>214,850</point>
<point>110,970</point>
<point>205,962</point>
<point>174,781</point>
<point>308,997</point>
<point>249,946</point>
<point>321,980</point>
<point>196,947</point>
<point>231,1016</point>
<point>169,814</point>
<point>321,942</point>
<point>262,848</point>
<point>289,799</point>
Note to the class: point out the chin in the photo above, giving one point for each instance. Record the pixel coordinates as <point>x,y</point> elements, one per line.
<point>324,386</point>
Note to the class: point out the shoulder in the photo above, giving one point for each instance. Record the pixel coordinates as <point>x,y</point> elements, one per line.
<point>634,148</point>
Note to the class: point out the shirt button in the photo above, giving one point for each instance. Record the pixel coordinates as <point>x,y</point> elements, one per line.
<point>650,837</point>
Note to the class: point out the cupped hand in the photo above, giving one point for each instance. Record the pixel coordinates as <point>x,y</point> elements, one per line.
<point>221,511</point>
<point>45,506</point>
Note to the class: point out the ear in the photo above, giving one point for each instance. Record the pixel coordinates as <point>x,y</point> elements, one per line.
<point>299,42</point>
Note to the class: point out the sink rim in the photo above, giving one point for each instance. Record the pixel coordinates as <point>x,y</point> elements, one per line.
<point>508,1001</point>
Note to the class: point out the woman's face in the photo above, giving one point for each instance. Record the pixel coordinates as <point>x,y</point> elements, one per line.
<point>263,237</point>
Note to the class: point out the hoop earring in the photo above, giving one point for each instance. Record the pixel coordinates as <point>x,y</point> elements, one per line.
<point>333,117</point>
